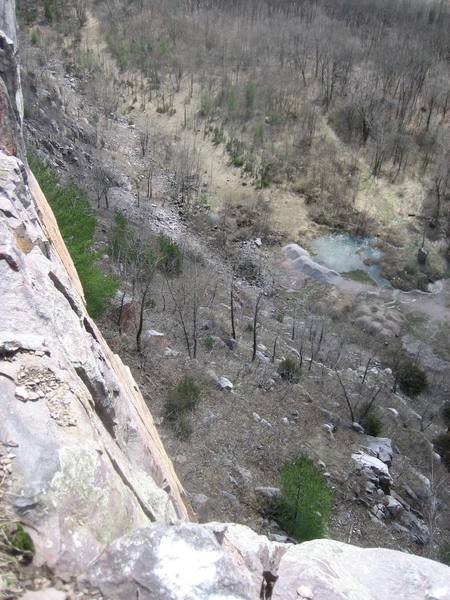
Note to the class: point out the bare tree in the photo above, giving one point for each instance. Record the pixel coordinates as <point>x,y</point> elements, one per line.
<point>103,182</point>
<point>233,328</point>
<point>255,325</point>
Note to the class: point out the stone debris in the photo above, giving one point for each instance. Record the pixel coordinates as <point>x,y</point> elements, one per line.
<point>374,468</point>
<point>373,461</point>
<point>259,419</point>
<point>35,384</point>
<point>170,353</point>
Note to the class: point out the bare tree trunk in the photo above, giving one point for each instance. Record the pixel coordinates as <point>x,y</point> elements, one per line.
<point>119,318</point>
<point>350,408</point>
<point>181,317</point>
<point>274,349</point>
<point>233,328</point>
<point>255,325</point>
<point>141,320</point>
<point>194,316</point>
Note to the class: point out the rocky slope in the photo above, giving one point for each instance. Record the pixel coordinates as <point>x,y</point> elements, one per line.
<point>81,460</point>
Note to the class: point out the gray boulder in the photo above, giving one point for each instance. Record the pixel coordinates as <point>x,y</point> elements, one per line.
<point>302,262</point>
<point>170,563</point>
<point>328,570</point>
<point>381,448</point>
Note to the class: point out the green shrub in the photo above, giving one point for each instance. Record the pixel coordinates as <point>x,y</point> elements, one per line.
<point>442,447</point>
<point>35,37</point>
<point>444,554</point>
<point>171,256</point>
<point>22,544</point>
<point>306,503</point>
<point>237,161</point>
<point>250,95</point>
<point>119,236</point>
<point>181,400</point>
<point>232,100</point>
<point>49,10</point>
<point>279,317</point>
<point>370,421</point>
<point>259,133</point>
<point>290,370</point>
<point>412,378</point>
<point>209,342</point>
<point>77,223</point>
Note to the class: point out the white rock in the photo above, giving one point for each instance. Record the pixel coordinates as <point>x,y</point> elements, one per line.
<point>269,493</point>
<point>357,427</point>
<point>394,412</point>
<point>225,384</point>
<point>337,571</point>
<point>169,353</point>
<point>371,463</point>
<point>304,592</point>
<point>382,448</point>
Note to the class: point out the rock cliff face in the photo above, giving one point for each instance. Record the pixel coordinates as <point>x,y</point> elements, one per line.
<point>84,464</point>
<point>89,465</point>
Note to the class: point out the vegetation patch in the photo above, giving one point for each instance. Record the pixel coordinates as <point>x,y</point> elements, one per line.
<point>290,370</point>
<point>180,402</point>
<point>306,504</point>
<point>411,378</point>
<point>209,342</point>
<point>444,554</point>
<point>77,223</point>
<point>370,421</point>
<point>171,256</point>
<point>359,275</point>
<point>442,447</point>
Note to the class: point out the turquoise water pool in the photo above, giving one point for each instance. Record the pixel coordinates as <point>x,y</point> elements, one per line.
<point>346,253</point>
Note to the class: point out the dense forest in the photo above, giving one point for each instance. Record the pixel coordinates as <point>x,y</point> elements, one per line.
<point>269,71</point>
<point>297,91</point>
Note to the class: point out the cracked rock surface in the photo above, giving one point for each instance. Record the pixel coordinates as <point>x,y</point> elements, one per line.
<point>88,463</point>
